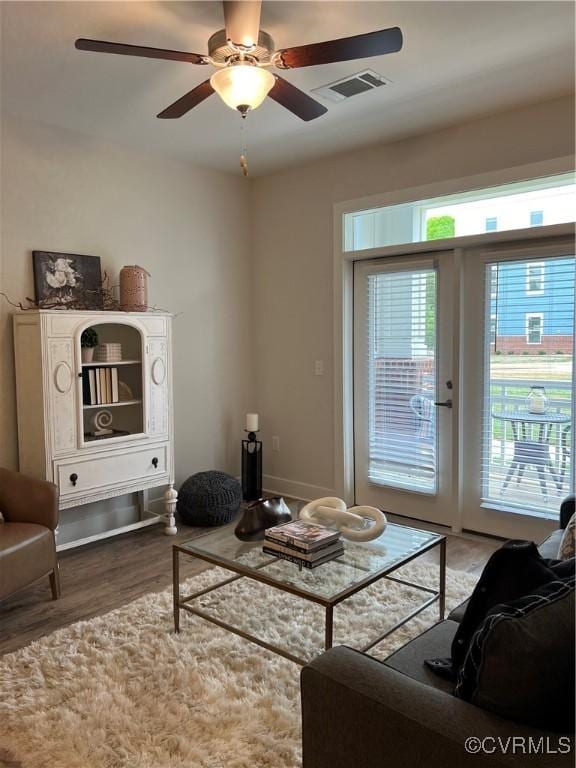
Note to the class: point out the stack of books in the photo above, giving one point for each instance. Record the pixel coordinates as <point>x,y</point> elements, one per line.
<point>303,543</point>
<point>100,386</point>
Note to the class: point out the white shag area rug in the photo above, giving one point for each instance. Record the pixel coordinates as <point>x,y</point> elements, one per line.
<point>123,691</point>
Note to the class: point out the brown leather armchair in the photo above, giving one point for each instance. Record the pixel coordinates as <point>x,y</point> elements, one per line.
<point>27,543</point>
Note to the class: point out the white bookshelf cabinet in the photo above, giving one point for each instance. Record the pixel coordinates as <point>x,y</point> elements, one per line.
<point>56,429</point>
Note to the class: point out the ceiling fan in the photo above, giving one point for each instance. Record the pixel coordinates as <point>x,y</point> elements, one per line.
<point>244,54</point>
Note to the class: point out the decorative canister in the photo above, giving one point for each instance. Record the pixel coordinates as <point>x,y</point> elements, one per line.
<point>109,352</point>
<point>537,401</point>
<point>134,289</point>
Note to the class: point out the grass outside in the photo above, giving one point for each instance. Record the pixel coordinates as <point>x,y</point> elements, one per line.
<point>537,367</point>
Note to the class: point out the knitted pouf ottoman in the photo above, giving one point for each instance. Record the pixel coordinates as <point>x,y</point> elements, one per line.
<point>209,498</point>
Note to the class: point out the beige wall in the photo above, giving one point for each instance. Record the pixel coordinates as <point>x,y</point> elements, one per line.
<point>215,245</point>
<point>293,261</point>
<point>189,228</point>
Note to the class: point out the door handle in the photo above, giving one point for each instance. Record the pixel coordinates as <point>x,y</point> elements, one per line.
<point>445,404</point>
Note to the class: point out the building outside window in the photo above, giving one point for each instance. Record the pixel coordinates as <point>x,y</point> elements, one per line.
<point>535,278</point>
<point>491,224</point>
<point>536,218</point>
<point>534,328</point>
<point>493,281</point>
<point>493,327</point>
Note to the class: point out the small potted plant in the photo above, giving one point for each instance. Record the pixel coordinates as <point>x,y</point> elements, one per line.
<point>88,341</point>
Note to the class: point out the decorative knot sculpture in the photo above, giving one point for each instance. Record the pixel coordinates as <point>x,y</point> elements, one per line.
<point>352,523</point>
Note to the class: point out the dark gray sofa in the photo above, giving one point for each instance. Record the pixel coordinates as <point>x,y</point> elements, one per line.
<point>358,712</point>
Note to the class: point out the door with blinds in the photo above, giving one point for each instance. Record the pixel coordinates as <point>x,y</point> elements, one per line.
<point>518,417</point>
<point>403,390</point>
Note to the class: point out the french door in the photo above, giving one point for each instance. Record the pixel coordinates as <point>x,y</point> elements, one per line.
<point>464,396</point>
<point>404,390</point>
<point>518,395</point>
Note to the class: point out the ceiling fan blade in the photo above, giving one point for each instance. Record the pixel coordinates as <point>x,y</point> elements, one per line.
<point>242,21</point>
<point>345,49</point>
<point>101,46</point>
<point>295,100</point>
<point>188,101</point>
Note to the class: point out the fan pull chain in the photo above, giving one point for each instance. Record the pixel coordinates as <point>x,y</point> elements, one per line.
<point>243,152</point>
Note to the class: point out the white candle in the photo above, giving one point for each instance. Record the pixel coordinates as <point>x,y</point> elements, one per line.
<point>251,422</point>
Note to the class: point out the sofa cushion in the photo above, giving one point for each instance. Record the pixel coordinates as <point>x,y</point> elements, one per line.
<point>432,644</point>
<point>520,663</point>
<point>26,554</point>
<point>549,547</point>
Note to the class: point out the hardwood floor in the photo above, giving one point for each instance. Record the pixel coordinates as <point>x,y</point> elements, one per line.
<point>100,577</point>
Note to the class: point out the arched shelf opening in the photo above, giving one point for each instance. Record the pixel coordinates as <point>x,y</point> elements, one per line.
<point>113,390</point>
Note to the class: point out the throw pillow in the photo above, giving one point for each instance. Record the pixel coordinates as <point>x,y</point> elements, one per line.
<point>520,663</point>
<point>567,546</point>
<point>514,570</point>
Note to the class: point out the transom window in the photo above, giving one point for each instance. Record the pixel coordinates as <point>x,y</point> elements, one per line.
<point>503,208</point>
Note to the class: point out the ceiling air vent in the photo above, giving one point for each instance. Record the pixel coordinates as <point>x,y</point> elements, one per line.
<point>364,81</point>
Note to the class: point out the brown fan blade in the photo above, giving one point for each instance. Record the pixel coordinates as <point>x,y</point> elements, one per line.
<point>295,100</point>
<point>101,46</point>
<point>345,49</point>
<point>188,101</point>
<point>242,21</point>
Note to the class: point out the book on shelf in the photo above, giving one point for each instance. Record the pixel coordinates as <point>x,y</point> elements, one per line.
<point>86,388</point>
<point>300,533</point>
<point>97,380</point>
<point>114,376</point>
<point>331,550</point>
<point>100,386</point>
<point>92,384</point>
<point>90,436</point>
<point>102,377</point>
<point>297,560</point>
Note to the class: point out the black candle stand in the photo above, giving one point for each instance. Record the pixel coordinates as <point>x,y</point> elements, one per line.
<point>251,468</point>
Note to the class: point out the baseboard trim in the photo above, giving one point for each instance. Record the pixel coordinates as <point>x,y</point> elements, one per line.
<point>295,489</point>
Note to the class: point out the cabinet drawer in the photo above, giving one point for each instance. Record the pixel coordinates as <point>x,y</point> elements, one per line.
<point>95,473</point>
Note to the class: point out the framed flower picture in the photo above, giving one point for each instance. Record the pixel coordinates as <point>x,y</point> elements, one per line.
<point>67,280</point>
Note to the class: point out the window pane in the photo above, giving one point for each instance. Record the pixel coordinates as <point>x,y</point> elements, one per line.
<point>402,379</point>
<point>535,277</point>
<point>529,399</point>
<point>506,207</point>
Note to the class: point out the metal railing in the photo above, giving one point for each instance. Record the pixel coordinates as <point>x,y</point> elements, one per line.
<point>505,397</point>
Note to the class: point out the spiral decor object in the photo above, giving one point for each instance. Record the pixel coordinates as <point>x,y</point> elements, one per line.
<point>352,523</point>
<point>102,421</point>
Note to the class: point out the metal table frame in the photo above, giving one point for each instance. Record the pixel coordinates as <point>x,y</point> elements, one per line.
<point>530,452</point>
<point>257,573</point>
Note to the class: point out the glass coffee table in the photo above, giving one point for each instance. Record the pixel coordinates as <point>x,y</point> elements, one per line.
<point>362,564</point>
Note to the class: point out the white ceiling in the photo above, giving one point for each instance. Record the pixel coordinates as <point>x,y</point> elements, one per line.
<point>460,59</point>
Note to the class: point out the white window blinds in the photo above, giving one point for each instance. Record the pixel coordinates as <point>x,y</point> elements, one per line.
<point>401,369</point>
<point>529,394</point>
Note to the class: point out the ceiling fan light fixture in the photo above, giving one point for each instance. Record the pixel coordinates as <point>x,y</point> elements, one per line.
<point>242,86</point>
